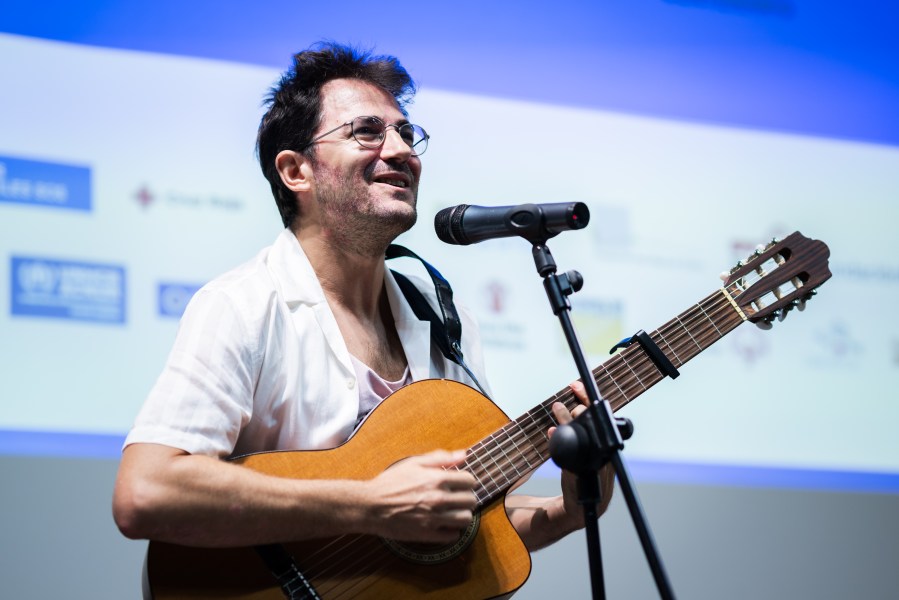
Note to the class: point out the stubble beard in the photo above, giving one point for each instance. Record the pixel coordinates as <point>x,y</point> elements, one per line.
<point>355,221</point>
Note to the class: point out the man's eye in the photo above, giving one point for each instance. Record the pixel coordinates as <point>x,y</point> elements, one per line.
<point>369,131</point>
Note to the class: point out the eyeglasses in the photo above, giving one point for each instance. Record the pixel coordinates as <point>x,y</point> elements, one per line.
<point>370,132</point>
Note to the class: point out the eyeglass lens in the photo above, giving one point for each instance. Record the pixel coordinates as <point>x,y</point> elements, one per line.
<point>370,132</point>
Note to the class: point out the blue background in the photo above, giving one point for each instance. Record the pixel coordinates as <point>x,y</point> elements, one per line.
<point>820,67</point>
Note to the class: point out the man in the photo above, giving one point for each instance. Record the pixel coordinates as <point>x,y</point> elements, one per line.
<point>291,350</point>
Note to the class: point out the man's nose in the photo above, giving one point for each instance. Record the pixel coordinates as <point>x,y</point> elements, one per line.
<point>394,144</point>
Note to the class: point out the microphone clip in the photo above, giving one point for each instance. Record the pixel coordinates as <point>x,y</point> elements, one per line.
<point>538,222</point>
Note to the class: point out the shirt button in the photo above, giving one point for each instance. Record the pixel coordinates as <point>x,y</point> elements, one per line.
<point>350,383</point>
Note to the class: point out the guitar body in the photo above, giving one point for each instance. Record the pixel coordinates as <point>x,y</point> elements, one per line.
<point>425,416</point>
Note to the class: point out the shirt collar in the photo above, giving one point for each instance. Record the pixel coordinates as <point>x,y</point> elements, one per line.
<point>293,271</point>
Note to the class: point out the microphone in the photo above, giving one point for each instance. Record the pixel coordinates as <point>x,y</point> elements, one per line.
<point>464,224</point>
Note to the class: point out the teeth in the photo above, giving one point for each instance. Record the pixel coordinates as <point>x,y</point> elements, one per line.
<point>395,182</point>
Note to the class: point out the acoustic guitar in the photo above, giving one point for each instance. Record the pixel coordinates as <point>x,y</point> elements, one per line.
<point>488,560</point>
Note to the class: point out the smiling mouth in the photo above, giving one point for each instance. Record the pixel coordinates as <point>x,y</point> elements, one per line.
<point>400,183</point>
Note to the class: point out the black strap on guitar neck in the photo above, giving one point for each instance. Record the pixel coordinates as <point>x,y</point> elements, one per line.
<point>284,569</point>
<point>446,332</point>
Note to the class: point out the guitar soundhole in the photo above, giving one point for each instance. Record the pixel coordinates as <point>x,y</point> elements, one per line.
<point>432,554</point>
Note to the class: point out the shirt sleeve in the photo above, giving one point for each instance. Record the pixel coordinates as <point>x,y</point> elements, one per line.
<point>204,396</point>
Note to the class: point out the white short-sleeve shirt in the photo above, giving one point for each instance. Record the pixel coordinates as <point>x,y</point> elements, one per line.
<point>259,363</point>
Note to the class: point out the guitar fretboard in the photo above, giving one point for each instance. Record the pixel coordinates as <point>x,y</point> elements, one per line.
<point>522,445</point>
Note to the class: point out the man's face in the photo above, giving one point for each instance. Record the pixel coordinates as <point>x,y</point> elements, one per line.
<point>366,196</point>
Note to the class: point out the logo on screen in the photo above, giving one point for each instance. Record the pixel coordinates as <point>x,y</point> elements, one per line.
<point>172,298</point>
<point>600,324</point>
<point>44,184</point>
<point>496,295</point>
<point>146,198</point>
<point>500,325</point>
<point>61,289</point>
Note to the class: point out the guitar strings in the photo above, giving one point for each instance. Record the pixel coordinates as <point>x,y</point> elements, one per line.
<point>336,577</point>
<point>374,559</point>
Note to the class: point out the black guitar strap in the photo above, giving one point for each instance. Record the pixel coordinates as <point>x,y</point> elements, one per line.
<point>446,332</point>
<point>284,569</point>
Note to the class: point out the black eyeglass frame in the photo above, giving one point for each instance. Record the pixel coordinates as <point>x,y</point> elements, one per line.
<point>424,134</point>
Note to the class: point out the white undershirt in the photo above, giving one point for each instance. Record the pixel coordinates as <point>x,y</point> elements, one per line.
<point>373,388</point>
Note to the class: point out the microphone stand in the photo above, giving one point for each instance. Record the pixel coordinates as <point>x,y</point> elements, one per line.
<point>595,437</point>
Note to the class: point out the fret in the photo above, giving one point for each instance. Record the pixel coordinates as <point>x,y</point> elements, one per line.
<point>541,427</point>
<point>510,438</point>
<point>720,335</point>
<point>486,471</point>
<point>480,485</point>
<point>499,444</point>
<point>721,311</point>
<point>514,456</point>
<point>698,345</point>
<point>729,316</point>
<point>530,441</point>
<point>517,448</point>
<point>631,369</point>
<point>646,371</point>
<point>612,379</point>
<point>677,358</point>
<point>548,416</point>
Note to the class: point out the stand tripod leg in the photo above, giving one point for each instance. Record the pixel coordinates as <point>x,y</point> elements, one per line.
<point>589,496</point>
<point>643,532</point>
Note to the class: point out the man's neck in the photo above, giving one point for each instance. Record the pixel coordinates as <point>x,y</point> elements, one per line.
<point>352,280</point>
<point>353,284</point>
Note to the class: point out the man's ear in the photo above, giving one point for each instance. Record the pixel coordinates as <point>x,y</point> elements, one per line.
<point>295,170</point>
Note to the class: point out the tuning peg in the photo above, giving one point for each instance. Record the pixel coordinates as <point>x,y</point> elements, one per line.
<point>801,303</point>
<point>783,313</point>
<point>724,276</point>
<point>736,268</point>
<point>768,322</point>
<point>765,324</point>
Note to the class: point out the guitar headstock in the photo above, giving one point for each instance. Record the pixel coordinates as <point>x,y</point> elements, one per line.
<point>778,277</point>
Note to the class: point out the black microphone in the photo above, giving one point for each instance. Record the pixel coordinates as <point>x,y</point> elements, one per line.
<point>464,224</point>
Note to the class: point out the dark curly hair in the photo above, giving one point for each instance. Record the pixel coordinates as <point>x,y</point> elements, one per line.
<point>294,104</point>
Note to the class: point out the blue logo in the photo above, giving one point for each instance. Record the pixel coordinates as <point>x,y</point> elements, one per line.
<point>173,298</point>
<point>45,184</point>
<point>44,287</point>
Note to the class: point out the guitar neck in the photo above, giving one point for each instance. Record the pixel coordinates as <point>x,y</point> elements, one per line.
<point>501,459</point>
